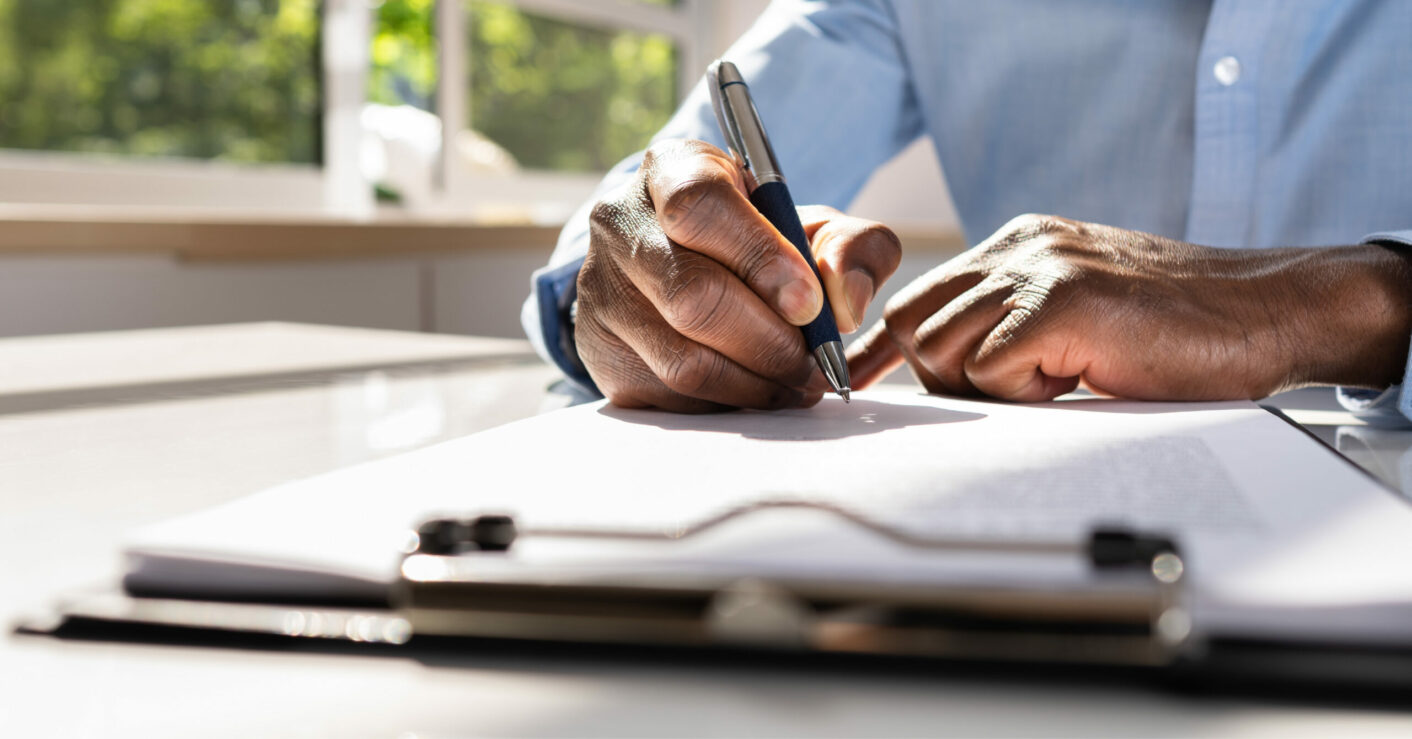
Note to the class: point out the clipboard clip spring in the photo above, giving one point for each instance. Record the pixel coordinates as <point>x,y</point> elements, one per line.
<point>484,533</point>
<point>1131,612</point>
<point>1107,547</point>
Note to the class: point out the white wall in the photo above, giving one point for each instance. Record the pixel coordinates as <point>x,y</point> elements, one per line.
<point>476,293</point>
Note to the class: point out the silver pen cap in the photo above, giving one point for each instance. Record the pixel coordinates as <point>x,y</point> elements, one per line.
<point>740,122</point>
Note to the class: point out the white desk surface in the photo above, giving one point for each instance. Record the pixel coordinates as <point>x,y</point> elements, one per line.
<point>119,360</point>
<point>76,475</point>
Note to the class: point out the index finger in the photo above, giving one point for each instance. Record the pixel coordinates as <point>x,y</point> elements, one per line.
<point>699,196</point>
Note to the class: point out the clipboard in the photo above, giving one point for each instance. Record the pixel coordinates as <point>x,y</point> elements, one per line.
<point>1133,612</point>
<point>1132,615</point>
<point>473,575</point>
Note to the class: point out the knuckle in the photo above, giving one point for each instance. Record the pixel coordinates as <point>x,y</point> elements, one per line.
<point>624,384</point>
<point>655,151</point>
<point>590,276</point>
<point>1006,333</point>
<point>781,362</point>
<point>1022,234</point>
<point>600,287</point>
<point>687,206</point>
<point>900,334</point>
<point>754,259</point>
<point>1029,221</point>
<point>691,371</point>
<point>668,150</point>
<point>661,153</point>
<point>617,371</point>
<point>930,332</point>
<point>589,290</point>
<point>606,212</point>
<point>894,308</point>
<point>1028,226</point>
<point>598,344</point>
<point>693,298</point>
<point>610,221</point>
<point>594,348</point>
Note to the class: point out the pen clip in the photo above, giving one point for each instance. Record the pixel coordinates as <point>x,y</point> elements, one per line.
<point>741,126</point>
<point>728,130</point>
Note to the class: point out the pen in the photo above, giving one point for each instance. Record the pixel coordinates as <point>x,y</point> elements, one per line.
<point>745,135</point>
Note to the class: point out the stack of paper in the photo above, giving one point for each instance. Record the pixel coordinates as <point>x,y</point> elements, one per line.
<point>1281,536</point>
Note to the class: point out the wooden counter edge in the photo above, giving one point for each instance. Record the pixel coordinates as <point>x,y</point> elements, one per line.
<point>226,238</point>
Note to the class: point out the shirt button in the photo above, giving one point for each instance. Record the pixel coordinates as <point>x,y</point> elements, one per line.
<point>1227,70</point>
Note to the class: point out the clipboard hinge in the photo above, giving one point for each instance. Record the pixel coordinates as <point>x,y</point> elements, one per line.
<point>1133,612</point>
<point>1106,547</point>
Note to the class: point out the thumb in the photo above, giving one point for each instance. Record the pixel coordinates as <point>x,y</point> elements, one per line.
<point>872,356</point>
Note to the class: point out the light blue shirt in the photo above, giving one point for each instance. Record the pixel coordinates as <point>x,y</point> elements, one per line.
<point>1231,123</point>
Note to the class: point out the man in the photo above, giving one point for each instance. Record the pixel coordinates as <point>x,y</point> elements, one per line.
<point>1199,158</point>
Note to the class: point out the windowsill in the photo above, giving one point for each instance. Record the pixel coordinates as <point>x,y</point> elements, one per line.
<point>239,235</point>
<point>220,235</point>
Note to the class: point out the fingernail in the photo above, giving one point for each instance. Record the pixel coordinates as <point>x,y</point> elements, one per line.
<point>799,301</point>
<point>858,291</point>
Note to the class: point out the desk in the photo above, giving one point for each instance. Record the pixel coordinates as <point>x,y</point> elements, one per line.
<point>83,462</point>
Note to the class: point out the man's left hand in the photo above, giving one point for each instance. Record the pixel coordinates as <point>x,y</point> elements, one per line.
<point>1047,303</point>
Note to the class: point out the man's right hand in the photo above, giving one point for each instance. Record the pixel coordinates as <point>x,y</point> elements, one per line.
<point>690,301</point>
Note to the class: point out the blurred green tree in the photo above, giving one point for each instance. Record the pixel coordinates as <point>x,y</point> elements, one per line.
<point>235,80</point>
<point>557,95</point>
<point>404,54</point>
<point>563,96</point>
<point>239,80</point>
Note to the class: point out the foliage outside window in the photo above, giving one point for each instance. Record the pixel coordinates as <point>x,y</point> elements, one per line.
<point>557,95</point>
<point>562,89</point>
<point>235,80</point>
<point>564,96</point>
<point>404,57</point>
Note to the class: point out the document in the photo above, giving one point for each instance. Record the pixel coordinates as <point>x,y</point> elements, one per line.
<point>1281,536</point>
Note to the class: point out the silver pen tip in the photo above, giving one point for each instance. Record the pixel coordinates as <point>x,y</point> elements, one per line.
<point>845,393</point>
<point>830,357</point>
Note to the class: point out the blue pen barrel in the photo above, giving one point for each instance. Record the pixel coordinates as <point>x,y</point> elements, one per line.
<point>773,201</point>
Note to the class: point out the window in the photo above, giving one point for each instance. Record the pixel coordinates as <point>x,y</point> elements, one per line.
<point>558,95</point>
<point>235,81</point>
<point>492,108</point>
<point>533,99</point>
<point>163,102</point>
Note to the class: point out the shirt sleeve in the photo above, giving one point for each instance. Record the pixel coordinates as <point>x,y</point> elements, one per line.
<point>1391,407</point>
<point>834,91</point>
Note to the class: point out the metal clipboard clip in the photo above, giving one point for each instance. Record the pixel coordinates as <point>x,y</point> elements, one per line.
<point>1131,611</point>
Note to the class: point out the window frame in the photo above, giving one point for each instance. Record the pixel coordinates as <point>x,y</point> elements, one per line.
<point>78,178</point>
<point>550,196</point>
<point>337,187</point>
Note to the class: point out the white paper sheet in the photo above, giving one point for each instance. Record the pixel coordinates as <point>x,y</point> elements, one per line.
<point>1281,536</point>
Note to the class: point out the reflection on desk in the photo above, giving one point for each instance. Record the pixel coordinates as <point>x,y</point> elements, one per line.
<point>74,477</point>
<point>1385,453</point>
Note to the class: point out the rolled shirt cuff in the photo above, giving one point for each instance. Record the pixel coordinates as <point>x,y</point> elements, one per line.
<point>548,316</point>
<point>1391,407</point>
<point>1383,408</point>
